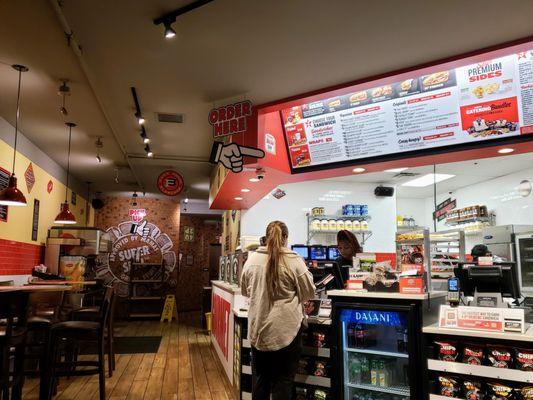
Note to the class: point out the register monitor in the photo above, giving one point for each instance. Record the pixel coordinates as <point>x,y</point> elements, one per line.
<point>301,250</point>
<point>318,253</point>
<point>488,284</point>
<point>333,253</point>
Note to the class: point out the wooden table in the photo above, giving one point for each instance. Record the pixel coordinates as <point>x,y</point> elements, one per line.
<point>62,283</point>
<point>36,288</point>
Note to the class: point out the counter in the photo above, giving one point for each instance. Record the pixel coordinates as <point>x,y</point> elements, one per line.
<point>222,323</point>
<point>519,337</point>
<point>385,295</point>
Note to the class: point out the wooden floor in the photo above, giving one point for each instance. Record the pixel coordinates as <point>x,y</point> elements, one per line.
<point>185,367</point>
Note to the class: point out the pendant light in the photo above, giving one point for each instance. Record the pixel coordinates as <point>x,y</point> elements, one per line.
<point>65,216</point>
<point>12,196</point>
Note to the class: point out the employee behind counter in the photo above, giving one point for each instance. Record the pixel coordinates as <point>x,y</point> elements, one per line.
<point>348,247</point>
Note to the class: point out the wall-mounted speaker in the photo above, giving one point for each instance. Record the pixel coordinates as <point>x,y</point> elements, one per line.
<point>97,204</point>
<point>384,191</point>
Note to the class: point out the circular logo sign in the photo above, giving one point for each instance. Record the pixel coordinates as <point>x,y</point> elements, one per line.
<point>170,183</point>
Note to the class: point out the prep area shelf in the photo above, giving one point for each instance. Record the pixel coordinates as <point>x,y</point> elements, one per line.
<point>399,390</point>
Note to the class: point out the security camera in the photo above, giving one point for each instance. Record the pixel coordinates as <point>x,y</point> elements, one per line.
<point>260,175</point>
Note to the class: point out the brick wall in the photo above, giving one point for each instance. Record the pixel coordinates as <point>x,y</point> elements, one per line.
<point>17,258</point>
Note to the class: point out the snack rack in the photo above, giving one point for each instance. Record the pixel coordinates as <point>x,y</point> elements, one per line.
<point>417,242</point>
<point>484,373</point>
<point>447,250</point>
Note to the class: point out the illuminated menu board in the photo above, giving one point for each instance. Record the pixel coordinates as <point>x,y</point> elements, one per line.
<point>478,102</point>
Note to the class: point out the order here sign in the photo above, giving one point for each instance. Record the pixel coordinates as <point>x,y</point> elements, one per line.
<point>230,119</point>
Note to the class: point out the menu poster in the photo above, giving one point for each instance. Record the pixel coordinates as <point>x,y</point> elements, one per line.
<point>478,102</point>
<point>4,182</point>
<point>35,221</point>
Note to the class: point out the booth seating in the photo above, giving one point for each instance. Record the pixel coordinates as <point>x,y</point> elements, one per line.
<point>13,333</point>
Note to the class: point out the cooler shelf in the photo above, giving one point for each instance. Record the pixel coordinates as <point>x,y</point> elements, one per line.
<point>246,369</point>
<point>377,352</point>
<point>481,371</point>
<point>438,397</point>
<point>399,390</point>
<point>316,351</point>
<point>313,380</point>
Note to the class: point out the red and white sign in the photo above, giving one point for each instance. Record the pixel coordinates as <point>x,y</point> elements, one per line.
<point>230,119</point>
<point>170,183</point>
<point>137,214</point>
<point>475,318</point>
<point>220,322</point>
<point>50,186</point>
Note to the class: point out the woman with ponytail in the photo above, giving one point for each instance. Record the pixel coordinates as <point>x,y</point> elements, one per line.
<point>278,283</point>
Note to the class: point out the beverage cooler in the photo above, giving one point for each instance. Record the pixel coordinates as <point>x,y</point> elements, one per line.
<point>378,351</point>
<point>524,249</point>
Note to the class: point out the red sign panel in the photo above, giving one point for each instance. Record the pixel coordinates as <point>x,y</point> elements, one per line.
<point>137,214</point>
<point>29,176</point>
<point>170,183</point>
<point>50,186</point>
<point>230,119</point>
<point>220,322</point>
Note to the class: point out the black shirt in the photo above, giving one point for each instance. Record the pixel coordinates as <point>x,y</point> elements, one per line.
<point>340,271</point>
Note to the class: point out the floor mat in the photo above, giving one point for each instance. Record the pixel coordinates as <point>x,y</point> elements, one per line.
<point>129,345</point>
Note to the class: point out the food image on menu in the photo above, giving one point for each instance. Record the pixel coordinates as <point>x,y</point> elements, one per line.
<point>300,156</point>
<point>490,118</point>
<point>334,103</point>
<point>296,135</point>
<point>358,96</point>
<point>481,91</point>
<point>377,92</point>
<point>292,116</point>
<point>407,84</point>
<point>436,78</point>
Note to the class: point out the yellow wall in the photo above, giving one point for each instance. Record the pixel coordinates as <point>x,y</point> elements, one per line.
<point>19,223</point>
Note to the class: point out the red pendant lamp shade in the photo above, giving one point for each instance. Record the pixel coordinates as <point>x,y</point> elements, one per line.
<point>65,216</point>
<point>12,196</point>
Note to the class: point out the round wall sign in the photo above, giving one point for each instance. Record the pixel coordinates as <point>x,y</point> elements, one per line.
<point>524,188</point>
<point>170,183</point>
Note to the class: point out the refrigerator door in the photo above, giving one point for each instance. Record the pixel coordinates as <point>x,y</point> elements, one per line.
<point>524,249</point>
<point>377,351</point>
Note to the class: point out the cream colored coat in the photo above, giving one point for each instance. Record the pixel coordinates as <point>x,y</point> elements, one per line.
<point>273,326</point>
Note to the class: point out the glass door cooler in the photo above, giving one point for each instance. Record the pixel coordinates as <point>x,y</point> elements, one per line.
<point>378,354</point>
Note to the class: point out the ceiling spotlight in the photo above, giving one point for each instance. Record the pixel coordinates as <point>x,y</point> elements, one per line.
<point>238,198</point>
<point>245,190</point>
<point>99,145</point>
<point>149,152</point>
<point>396,170</point>
<point>186,201</point>
<point>64,90</point>
<point>140,118</point>
<point>254,180</point>
<point>169,32</point>
<point>505,150</point>
<point>358,170</point>
<point>145,137</point>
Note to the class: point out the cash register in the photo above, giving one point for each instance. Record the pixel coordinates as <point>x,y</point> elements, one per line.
<point>319,259</point>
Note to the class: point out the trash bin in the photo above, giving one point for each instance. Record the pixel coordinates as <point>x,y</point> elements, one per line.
<point>208,321</point>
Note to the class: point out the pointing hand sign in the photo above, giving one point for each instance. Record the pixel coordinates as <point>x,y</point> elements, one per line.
<point>231,155</point>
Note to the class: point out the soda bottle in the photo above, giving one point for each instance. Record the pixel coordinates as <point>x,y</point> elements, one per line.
<point>399,339</point>
<point>365,369</point>
<point>384,375</point>
<point>359,335</point>
<point>350,335</point>
<point>355,370</point>
<point>374,373</point>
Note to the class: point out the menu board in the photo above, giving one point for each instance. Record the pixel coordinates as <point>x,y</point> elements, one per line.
<point>478,102</point>
<point>4,182</point>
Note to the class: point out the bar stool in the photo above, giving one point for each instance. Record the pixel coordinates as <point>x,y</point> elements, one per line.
<point>12,335</point>
<point>93,314</point>
<point>79,331</point>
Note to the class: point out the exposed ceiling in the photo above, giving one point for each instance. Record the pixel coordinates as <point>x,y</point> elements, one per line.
<point>262,50</point>
<point>466,173</point>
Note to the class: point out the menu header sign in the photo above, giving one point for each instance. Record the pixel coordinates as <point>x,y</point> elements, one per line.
<point>473,103</point>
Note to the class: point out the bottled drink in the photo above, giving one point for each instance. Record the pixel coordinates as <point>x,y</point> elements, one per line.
<point>359,335</point>
<point>355,369</point>
<point>405,340</point>
<point>365,369</point>
<point>384,374</point>
<point>374,373</point>
<point>350,335</point>
<point>399,339</point>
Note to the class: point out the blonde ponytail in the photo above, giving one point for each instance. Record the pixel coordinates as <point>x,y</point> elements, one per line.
<point>276,237</point>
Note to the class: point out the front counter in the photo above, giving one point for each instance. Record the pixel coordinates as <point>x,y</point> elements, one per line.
<point>342,358</point>
<point>489,359</point>
<point>223,299</point>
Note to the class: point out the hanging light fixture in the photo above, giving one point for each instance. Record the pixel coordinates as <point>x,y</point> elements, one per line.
<point>134,199</point>
<point>99,145</point>
<point>12,196</point>
<point>65,216</point>
<point>64,90</point>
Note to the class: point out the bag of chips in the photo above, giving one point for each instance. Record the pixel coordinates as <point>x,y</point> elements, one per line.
<point>526,393</point>
<point>472,390</point>
<point>499,391</point>
<point>499,357</point>
<point>524,359</point>
<point>449,386</point>
<point>447,351</point>
<point>473,354</point>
